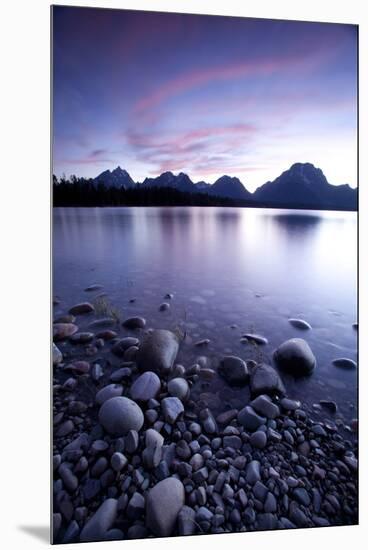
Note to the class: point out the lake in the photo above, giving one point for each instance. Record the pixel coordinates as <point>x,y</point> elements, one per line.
<point>231,271</point>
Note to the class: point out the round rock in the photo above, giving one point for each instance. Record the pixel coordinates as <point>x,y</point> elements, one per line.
<point>163,504</point>
<point>295,357</point>
<point>145,387</point>
<point>178,387</point>
<point>109,391</point>
<point>234,370</point>
<point>118,415</point>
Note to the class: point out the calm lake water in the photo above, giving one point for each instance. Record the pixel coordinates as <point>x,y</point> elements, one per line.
<point>254,268</point>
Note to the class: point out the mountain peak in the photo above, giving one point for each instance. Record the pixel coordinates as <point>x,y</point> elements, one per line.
<point>115,178</point>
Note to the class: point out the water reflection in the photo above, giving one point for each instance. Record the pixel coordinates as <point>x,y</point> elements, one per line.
<point>226,256</point>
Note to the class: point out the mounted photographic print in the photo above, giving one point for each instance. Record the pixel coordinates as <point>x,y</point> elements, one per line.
<point>204,274</point>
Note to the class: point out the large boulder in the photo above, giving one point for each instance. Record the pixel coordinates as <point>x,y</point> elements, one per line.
<point>118,415</point>
<point>158,351</point>
<point>265,379</point>
<point>163,504</point>
<point>295,357</point>
<point>234,370</point>
<point>100,522</point>
<point>145,387</point>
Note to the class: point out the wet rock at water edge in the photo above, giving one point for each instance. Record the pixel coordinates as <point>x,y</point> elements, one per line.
<point>295,357</point>
<point>256,338</point>
<point>118,415</point>
<point>109,391</point>
<point>234,370</point>
<point>202,343</point>
<point>106,334</point>
<point>172,407</point>
<point>265,379</point>
<point>263,405</point>
<point>158,351</point>
<point>101,521</point>
<point>62,331</point>
<point>145,387</point>
<point>163,504</point>
<point>57,356</point>
<point>345,363</point>
<point>134,323</point>
<point>81,337</point>
<point>92,288</point>
<point>300,323</point>
<point>289,404</point>
<point>120,347</point>
<point>80,309</point>
<point>329,405</point>
<point>103,322</point>
<point>178,387</point>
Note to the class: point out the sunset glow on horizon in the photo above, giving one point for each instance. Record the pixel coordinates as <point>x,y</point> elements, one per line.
<point>204,95</point>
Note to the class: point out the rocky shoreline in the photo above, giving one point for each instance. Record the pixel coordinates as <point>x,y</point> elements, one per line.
<point>136,456</point>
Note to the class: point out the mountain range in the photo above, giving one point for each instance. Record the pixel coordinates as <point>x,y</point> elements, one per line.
<point>301,186</point>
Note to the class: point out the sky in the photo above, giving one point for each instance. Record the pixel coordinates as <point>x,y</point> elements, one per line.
<point>204,95</point>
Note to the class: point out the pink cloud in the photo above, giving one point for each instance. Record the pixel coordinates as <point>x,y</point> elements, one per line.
<point>197,78</point>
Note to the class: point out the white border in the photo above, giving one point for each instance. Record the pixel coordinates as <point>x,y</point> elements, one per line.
<point>25,230</point>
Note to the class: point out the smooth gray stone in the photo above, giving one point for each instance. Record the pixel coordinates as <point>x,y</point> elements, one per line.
<point>118,461</point>
<point>263,405</point>
<point>72,532</point>
<point>61,331</point>
<point>163,504</point>
<point>253,472</point>
<point>208,422</point>
<point>118,415</point>
<point>107,392</point>
<point>145,387</point>
<point>134,323</point>
<point>301,495</point>
<point>186,521</point>
<point>265,379</point>
<point>131,441</point>
<point>123,344</point>
<point>289,404</point>
<point>101,521</point>
<point>248,418</point>
<point>136,506</point>
<point>258,439</point>
<point>295,357</point>
<point>172,407</point>
<point>153,438</point>
<point>57,356</point>
<point>158,351</point>
<point>178,387</point>
<point>234,370</point>
<point>79,309</point>
<point>256,338</point>
<point>344,363</point>
<point>300,323</point>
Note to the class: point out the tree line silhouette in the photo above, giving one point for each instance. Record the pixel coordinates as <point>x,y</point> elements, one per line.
<point>86,192</point>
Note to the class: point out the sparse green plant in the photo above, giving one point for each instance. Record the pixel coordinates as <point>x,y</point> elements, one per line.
<point>104,308</point>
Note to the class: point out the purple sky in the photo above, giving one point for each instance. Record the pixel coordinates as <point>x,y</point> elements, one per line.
<point>202,94</point>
